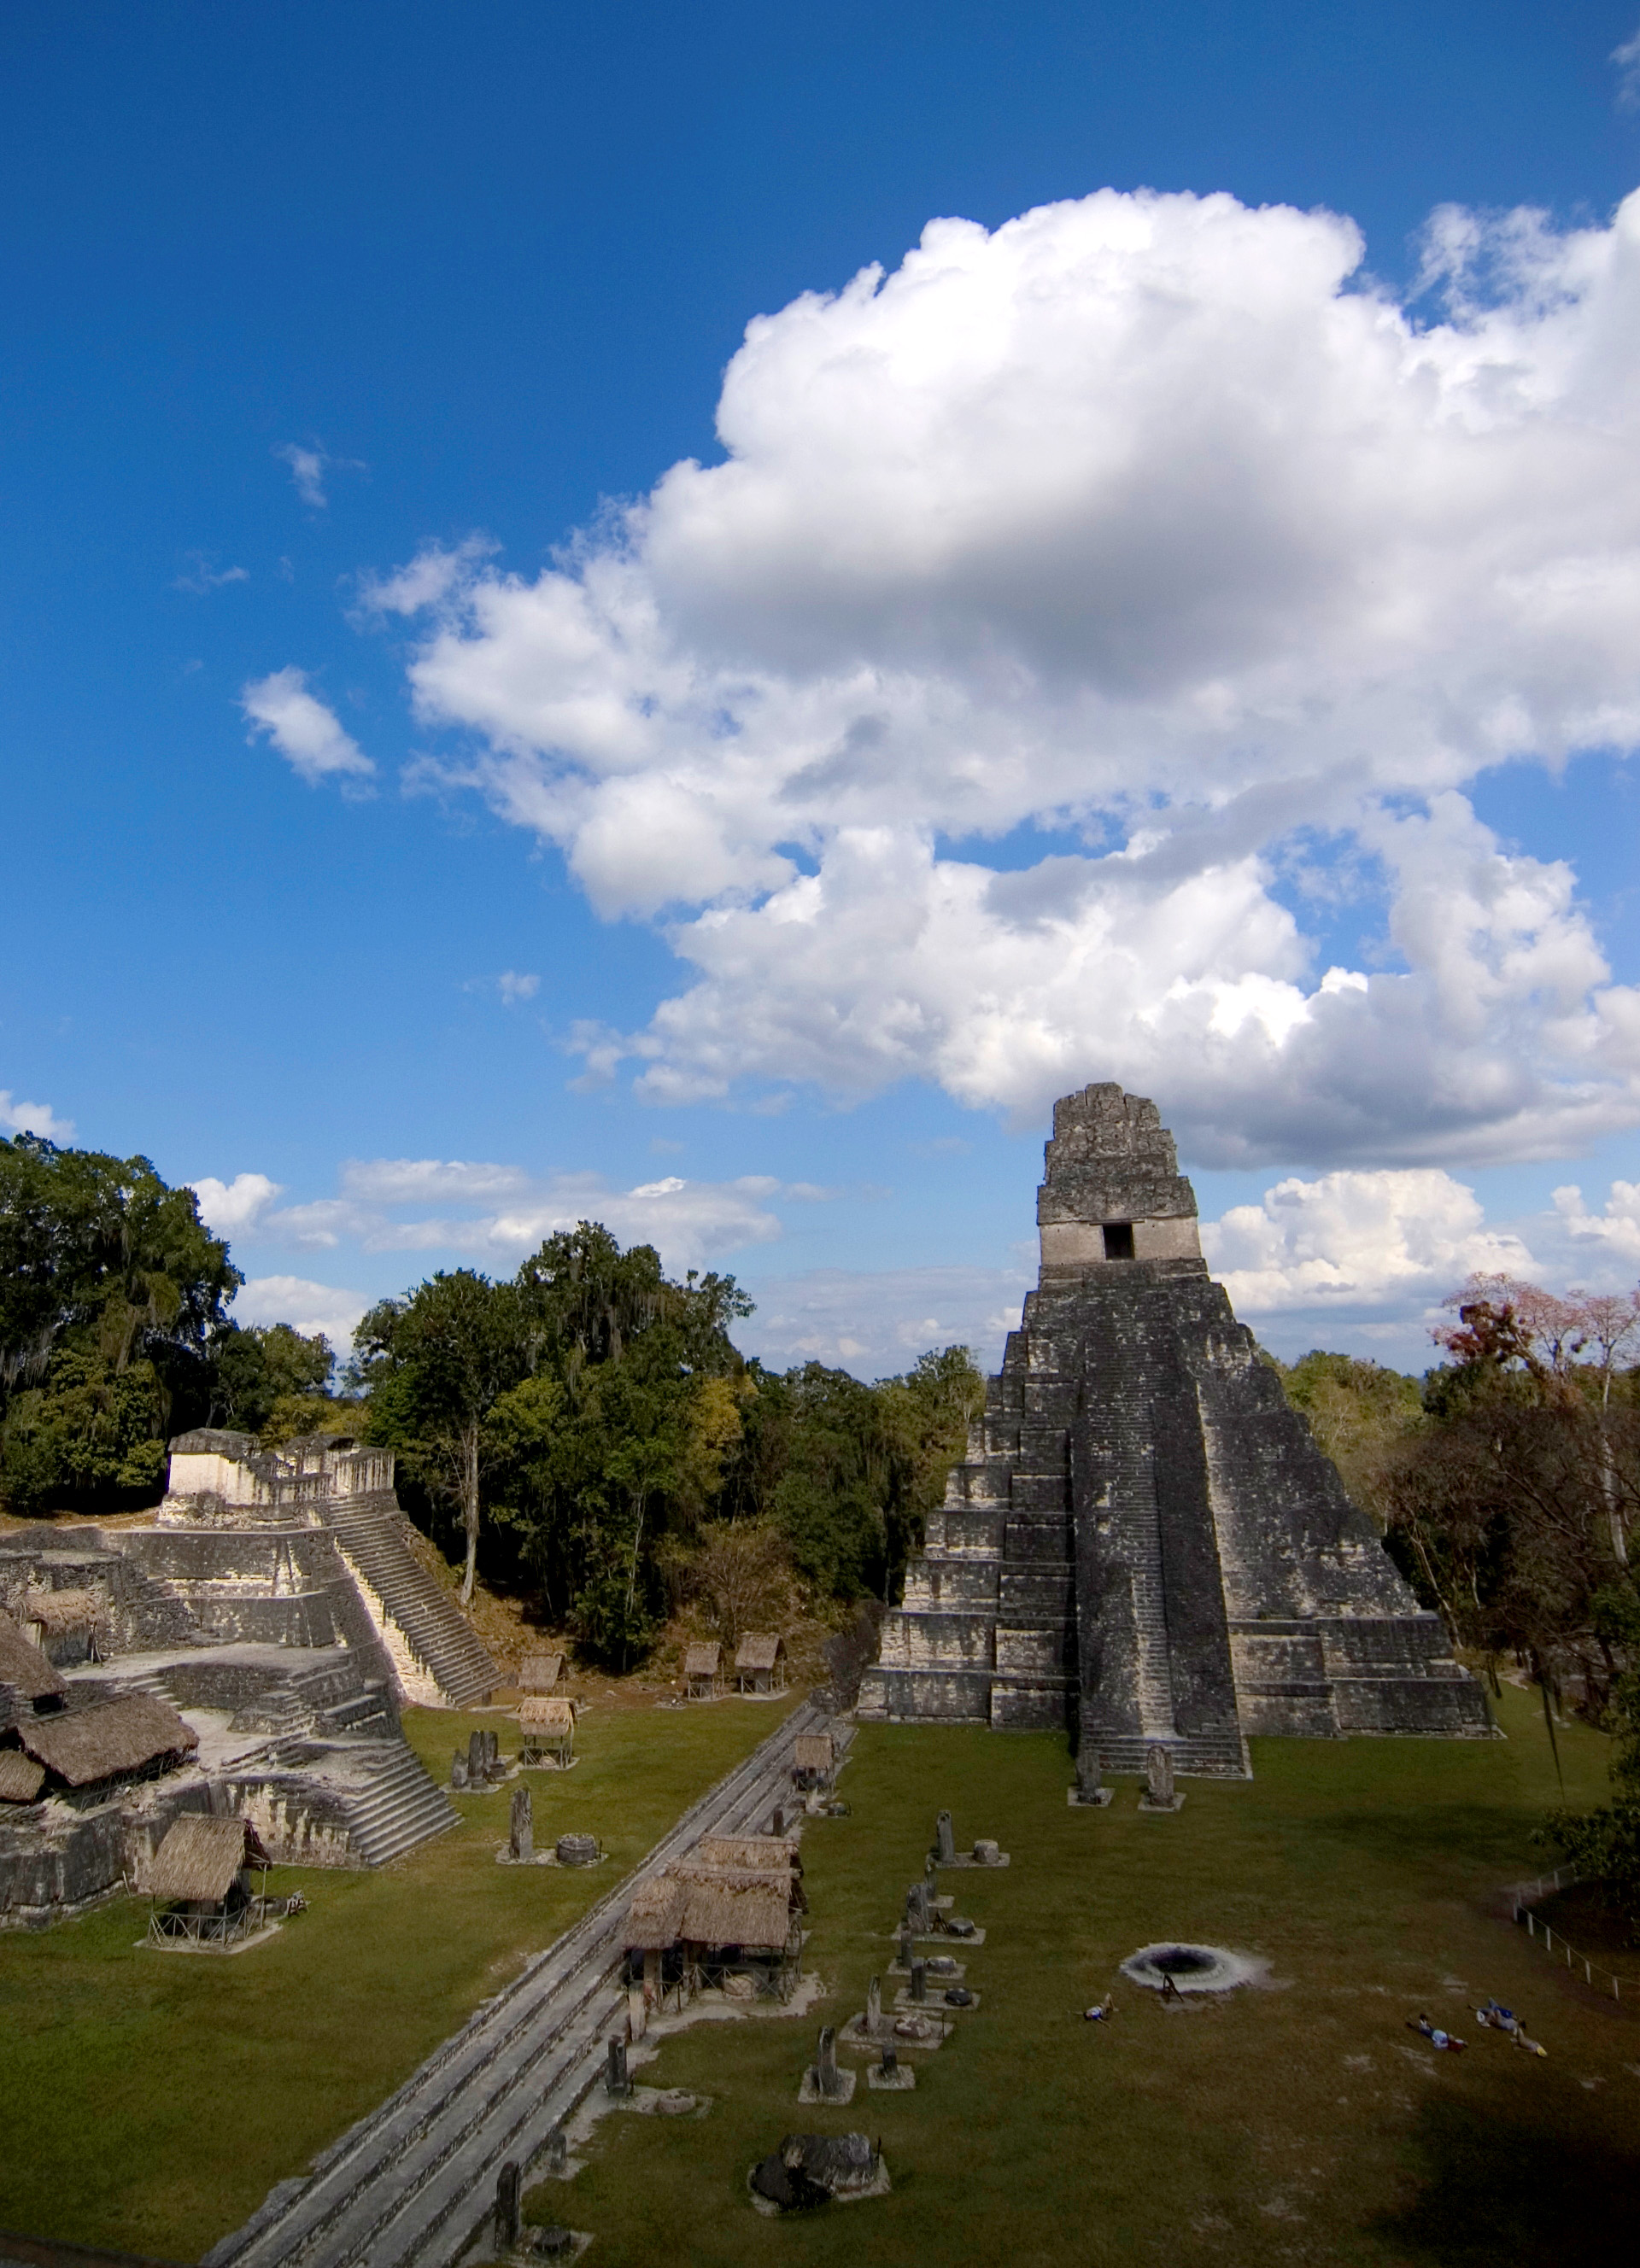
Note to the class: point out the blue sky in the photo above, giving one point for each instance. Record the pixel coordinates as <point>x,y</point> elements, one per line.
<point>428,816</point>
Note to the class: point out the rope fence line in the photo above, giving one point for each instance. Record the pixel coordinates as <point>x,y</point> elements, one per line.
<point>1523,1896</point>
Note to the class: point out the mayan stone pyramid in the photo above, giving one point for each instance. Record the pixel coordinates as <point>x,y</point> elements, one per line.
<point>1145,1545</point>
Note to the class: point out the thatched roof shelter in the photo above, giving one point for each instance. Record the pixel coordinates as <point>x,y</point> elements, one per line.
<point>762,1854</point>
<point>20,1777</point>
<point>200,1857</point>
<point>812,1752</point>
<point>538,1713</point>
<point>541,1672</point>
<point>655,1920</point>
<point>102,1743</point>
<point>759,1649</point>
<point>704,1659</point>
<point>747,1911</point>
<point>782,1879</point>
<point>62,1611</point>
<point>25,1669</point>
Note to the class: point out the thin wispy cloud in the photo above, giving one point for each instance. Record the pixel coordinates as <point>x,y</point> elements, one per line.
<point>310,467</point>
<point>202,576</point>
<point>510,987</point>
<point>493,1214</point>
<point>1627,59</point>
<point>308,734</point>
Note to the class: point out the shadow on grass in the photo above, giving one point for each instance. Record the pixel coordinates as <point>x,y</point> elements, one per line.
<point>1493,2188</point>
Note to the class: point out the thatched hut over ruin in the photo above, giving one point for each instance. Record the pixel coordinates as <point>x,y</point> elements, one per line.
<point>743,1925</point>
<point>547,1732</point>
<point>30,1686</point>
<point>655,1927</point>
<point>89,1753</point>
<point>700,1925</point>
<point>21,1778</point>
<point>64,1624</point>
<point>813,1761</point>
<point>703,1669</point>
<point>543,1673</point>
<point>760,1662</point>
<point>199,1883</point>
<point>772,1855</point>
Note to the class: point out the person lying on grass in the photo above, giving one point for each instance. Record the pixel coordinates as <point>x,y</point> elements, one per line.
<point>1101,2012</point>
<point>1435,2036</point>
<point>1497,2018</point>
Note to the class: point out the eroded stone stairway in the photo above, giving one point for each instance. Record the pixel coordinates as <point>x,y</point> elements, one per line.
<point>409,2186</point>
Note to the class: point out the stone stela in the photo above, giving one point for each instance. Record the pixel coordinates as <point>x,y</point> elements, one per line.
<point>1144,1544</point>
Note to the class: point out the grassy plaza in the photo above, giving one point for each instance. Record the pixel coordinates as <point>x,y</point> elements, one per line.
<point>1302,2121</point>
<point>152,2100</point>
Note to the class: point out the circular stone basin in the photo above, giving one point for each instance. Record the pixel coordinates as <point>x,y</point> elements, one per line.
<point>1192,1967</point>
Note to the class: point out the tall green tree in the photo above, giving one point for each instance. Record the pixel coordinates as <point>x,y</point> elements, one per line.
<point>435,1364</point>
<point>111,1300</point>
<point>1511,1507</point>
<point>258,1368</point>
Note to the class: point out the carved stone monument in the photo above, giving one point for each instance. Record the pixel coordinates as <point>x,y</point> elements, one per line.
<point>615,2079</point>
<point>822,2081</point>
<point>889,2075</point>
<point>945,1840</point>
<point>506,2189</point>
<point>1089,1787</point>
<point>521,1841</point>
<point>1145,1545</point>
<point>1160,1794</point>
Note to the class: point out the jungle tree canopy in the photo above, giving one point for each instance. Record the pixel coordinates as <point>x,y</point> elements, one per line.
<point>111,1293</point>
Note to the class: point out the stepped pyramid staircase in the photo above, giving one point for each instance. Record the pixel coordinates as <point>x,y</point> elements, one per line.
<point>370,1533</point>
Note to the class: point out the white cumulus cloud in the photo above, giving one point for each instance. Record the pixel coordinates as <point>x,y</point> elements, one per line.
<point>1363,1241</point>
<point>307,734</point>
<point>228,1207</point>
<point>307,1307</point>
<point>39,1118</point>
<point>1149,519</point>
<point>1613,1234</point>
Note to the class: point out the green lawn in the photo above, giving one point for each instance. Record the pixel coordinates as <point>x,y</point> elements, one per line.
<point>149,2101</point>
<point>1300,2123</point>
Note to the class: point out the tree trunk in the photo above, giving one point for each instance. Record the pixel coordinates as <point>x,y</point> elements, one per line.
<point>470,1510</point>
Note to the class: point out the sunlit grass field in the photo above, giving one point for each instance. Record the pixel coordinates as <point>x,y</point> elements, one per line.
<point>1301,2123</point>
<point>149,2100</point>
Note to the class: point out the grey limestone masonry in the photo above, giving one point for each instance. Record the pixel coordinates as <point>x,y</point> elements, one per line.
<point>276,1598</point>
<point>1144,1544</point>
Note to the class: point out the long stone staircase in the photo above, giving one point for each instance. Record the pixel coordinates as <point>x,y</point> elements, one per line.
<point>396,1805</point>
<point>409,2186</point>
<point>439,1644</point>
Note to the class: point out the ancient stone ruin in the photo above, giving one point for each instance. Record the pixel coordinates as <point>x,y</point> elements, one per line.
<point>1145,1545</point>
<point>245,1654</point>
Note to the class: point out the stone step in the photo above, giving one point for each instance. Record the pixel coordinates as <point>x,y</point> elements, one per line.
<point>1214,1756</point>
<point>410,2186</point>
<point>372,1539</point>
